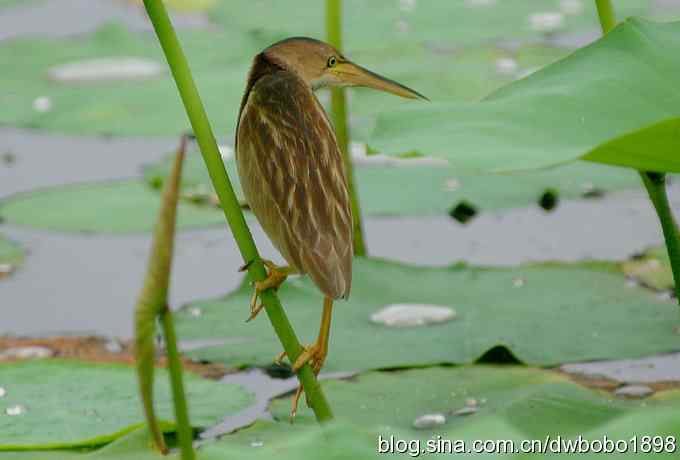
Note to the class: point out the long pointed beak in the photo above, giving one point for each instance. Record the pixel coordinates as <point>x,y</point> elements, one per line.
<point>352,74</point>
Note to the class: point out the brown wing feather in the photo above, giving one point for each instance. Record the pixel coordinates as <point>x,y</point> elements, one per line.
<point>294,180</point>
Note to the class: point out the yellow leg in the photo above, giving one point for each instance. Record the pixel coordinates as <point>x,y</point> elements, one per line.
<point>314,354</point>
<point>275,277</point>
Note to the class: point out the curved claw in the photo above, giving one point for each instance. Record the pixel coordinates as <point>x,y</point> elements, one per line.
<point>275,277</point>
<point>315,355</point>
<point>294,404</point>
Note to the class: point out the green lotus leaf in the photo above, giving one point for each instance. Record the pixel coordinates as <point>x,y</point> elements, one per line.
<point>508,403</point>
<point>614,101</point>
<point>113,207</point>
<point>544,315</point>
<point>64,404</point>
<point>502,403</point>
<point>446,63</point>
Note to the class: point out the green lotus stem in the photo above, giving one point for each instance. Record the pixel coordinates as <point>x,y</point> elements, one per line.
<point>232,211</point>
<point>184,430</point>
<point>656,188</point>
<point>605,11</point>
<point>153,301</point>
<point>339,117</point>
<point>655,183</point>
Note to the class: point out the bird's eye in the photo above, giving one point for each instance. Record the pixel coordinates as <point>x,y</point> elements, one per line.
<point>332,61</point>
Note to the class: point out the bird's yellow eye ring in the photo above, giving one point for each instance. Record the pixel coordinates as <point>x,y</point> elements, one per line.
<point>332,61</point>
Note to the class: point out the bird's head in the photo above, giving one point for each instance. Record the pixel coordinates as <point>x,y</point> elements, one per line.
<point>320,65</point>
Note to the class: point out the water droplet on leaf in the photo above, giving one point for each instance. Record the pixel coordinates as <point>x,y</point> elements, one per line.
<point>407,5</point>
<point>42,104</point>
<point>17,409</point>
<point>571,7</point>
<point>518,282</point>
<point>429,421</point>
<point>506,66</point>
<point>409,315</point>
<point>451,185</point>
<point>475,3</point>
<point>118,68</point>
<point>402,26</point>
<point>546,22</point>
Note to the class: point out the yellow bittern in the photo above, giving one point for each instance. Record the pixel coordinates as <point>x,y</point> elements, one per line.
<point>292,171</point>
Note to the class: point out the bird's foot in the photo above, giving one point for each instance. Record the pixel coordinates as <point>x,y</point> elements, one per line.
<point>315,355</point>
<point>275,277</point>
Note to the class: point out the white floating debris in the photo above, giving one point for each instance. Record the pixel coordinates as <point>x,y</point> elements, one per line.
<point>587,187</point>
<point>475,3</point>
<point>3,392</point>
<point>506,66</point>
<point>402,26</point>
<point>118,68</point>
<point>407,5</point>
<point>34,352</point>
<point>42,104</point>
<point>429,421</point>
<point>113,345</point>
<point>571,7</point>
<point>546,22</point>
<point>17,409</point>
<point>409,315</point>
<point>467,410</point>
<point>6,269</point>
<point>226,151</point>
<point>452,184</point>
<point>195,312</point>
<point>518,282</point>
<point>256,443</point>
<point>634,391</point>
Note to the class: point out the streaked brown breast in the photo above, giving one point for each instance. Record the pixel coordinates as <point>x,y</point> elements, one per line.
<point>294,180</point>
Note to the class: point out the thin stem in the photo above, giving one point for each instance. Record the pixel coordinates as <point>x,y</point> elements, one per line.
<point>655,183</point>
<point>656,188</point>
<point>186,435</point>
<point>339,117</point>
<point>605,11</point>
<point>232,211</point>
